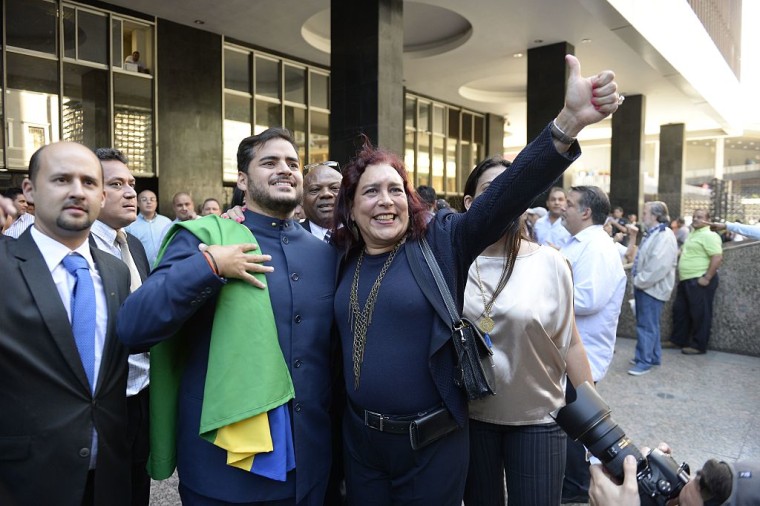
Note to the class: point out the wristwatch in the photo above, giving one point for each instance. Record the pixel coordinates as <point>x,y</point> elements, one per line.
<point>558,134</point>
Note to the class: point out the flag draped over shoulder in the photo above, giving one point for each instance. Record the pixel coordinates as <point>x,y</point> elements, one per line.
<point>247,382</point>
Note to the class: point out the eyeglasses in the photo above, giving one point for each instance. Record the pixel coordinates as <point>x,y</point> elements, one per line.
<point>147,199</point>
<point>328,163</point>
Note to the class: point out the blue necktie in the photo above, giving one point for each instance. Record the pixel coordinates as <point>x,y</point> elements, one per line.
<point>83,311</point>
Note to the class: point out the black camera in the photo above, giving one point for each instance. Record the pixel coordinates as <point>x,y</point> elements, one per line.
<point>586,418</point>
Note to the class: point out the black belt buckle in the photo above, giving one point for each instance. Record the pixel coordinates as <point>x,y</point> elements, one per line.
<point>368,417</point>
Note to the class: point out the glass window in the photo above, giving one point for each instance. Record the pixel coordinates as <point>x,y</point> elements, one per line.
<point>438,118</point>
<point>410,112</point>
<point>410,151</point>
<point>423,158</point>
<point>438,164</point>
<point>295,121</point>
<point>92,39</point>
<point>451,166</point>
<point>454,123</point>
<point>320,90</point>
<point>85,106</point>
<point>31,103</point>
<point>319,137</point>
<point>267,115</point>
<point>237,126</point>
<point>295,84</point>
<point>31,24</point>
<point>133,121</point>
<point>267,78</point>
<point>237,71</point>
<point>423,124</point>
<point>479,124</point>
<point>137,37</point>
<point>466,127</point>
<point>69,32</point>
<point>117,60</point>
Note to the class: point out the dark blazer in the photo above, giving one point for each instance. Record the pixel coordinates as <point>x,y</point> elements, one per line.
<point>137,250</point>
<point>181,292</point>
<point>48,409</point>
<point>458,238</point>
<point>306,224</point>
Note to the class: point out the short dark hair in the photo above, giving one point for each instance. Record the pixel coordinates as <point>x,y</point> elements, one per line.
<point>107,154</point>
<point>594,198</point>
<point>34,163</point>
<point>247,148</point>
<point>11,193</point>
<point>715,481</point>
<point>427,194</point>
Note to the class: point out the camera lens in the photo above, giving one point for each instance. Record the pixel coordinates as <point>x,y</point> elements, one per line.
<point>587,419</point>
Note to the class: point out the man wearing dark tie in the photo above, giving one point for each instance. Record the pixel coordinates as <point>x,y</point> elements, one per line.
<point>62,370</point>
<point>109,235</point>
<point>321,184</point>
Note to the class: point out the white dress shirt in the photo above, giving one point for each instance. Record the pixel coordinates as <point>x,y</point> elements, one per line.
<point>138,376</point>
<point>53,252</point>
<point>317,231</point>
<point>17,228</point>
<point>599,281</point>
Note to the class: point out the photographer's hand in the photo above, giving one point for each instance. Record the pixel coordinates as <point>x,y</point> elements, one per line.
<point>605,492</point>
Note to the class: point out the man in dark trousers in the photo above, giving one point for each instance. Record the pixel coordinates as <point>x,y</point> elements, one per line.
<point>184,294</point>
<point>109,235</point>
<point>62,371</point>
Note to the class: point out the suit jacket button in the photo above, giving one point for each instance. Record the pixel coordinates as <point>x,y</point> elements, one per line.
<point>297,363</point>
<point>298,318</point>
<point>295,276</point>
<point>84,452</point>
<point>297,407</point>
<point>285,240</point>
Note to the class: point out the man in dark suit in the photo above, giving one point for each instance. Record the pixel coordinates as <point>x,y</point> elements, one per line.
<point>321,183</point>
<point>181,294</point>
<point>62,370</point>
<point>108,234</point>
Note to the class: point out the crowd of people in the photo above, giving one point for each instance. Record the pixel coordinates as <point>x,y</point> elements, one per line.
<point>310,361</point>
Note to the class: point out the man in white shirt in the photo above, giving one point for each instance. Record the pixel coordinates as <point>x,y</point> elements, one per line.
<point>751,231</point>
<point>23,219</point>
<point>599,282</point>
<point>549,229</point>
<point>120,210</point>
<point>321,184</point>
<point>62,369</point>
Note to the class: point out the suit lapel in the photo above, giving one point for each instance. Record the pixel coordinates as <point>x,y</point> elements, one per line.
<point>38,278</point>
<point>111,289</point>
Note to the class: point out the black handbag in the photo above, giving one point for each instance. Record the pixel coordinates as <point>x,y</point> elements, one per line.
<point>475,366</point>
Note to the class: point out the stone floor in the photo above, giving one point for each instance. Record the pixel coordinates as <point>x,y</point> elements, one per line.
<point>705,406</point>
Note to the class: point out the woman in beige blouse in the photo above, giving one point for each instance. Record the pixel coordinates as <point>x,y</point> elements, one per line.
<point>521,294</point>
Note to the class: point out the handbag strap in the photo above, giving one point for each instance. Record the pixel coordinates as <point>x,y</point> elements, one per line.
<point>427,253</point>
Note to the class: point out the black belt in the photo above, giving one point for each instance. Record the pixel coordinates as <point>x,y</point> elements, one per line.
<point>384,423</point>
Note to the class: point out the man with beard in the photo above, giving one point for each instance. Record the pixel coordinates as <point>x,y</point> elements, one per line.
<point>63,373</point>
<point>321,184</point>
<point>184,294</point>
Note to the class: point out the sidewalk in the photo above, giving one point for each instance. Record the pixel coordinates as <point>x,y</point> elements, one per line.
<point>704,406</point>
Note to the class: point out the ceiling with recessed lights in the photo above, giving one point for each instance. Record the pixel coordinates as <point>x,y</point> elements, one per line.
<point>464,53</point>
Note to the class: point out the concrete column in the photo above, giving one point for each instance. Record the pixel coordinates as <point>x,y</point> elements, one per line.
<point>720,150</point>
<point>189,113</point>
<point>494,134</point>
<point>627,155</point>
<point>547,81</point>
<point>671,180</point>
<point>367,94</point>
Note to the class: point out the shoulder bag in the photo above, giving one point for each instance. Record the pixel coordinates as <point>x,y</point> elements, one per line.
<point>475,366</point>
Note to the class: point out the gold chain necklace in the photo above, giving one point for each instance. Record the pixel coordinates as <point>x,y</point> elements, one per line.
<point>359,319</point>
<point>486,323</point>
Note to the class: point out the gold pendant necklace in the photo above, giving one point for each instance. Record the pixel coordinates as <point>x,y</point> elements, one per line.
<point>359,319</point>
<point>486,323</point>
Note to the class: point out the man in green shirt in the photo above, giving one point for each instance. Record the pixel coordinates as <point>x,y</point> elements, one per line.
<point>701,256</point>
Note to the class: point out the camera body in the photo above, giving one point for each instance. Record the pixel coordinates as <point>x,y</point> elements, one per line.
<point>586,418</point>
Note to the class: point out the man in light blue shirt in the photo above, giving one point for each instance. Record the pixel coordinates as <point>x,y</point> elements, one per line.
<point>599,282</point>
<point>549,229</point>
<point>751,231</point>
<point>150,227</point>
